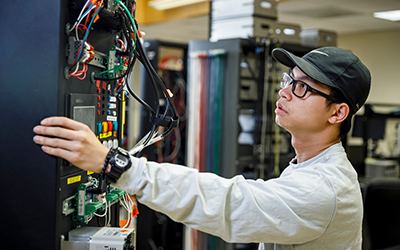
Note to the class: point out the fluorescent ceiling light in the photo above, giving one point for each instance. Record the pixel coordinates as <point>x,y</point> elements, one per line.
<point>170,4</point>
<point>393,15</point>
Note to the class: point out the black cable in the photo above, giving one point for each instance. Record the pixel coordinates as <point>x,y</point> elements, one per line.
<point>147,67</point>
<point>138,53</point>
<point>161,84</point>
<point>157,101</point>
<point>126,30</point>
<point>98,222</point>
<point>129,68</point>
<point>170,129</point>
<point>152,80</point>
<point>145,61</point>
<point>147,106</point>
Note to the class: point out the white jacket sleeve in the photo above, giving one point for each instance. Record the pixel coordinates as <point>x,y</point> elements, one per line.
<point>290,210</point>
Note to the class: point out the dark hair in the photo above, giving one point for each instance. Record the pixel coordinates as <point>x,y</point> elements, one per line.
<point>346,124</point>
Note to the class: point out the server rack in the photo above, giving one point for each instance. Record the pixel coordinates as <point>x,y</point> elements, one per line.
<point>35,48</point>
<point>153,48</point>
<point>156,229</point>
<point>245,73</point>
<point>248,70</point>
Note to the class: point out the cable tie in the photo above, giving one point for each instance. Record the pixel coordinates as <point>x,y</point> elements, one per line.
<point>167,122</point>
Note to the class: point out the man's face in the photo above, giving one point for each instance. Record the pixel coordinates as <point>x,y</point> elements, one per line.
<point>302,116</point>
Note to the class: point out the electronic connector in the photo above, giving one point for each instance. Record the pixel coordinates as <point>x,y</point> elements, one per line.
<point>84,205</point>
<point>88,54</point>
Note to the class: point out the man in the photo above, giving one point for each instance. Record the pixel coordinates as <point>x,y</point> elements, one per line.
<point>315,204</point>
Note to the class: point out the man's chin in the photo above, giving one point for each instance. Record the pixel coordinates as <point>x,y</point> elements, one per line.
<point>281,124</point>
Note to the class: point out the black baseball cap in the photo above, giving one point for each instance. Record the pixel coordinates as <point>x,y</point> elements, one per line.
<point>334,67</point>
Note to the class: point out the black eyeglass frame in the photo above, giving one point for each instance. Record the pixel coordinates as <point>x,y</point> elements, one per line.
<point>293,82</point>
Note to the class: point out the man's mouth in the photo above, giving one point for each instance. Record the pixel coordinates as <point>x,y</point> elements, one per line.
<point>280,106</point>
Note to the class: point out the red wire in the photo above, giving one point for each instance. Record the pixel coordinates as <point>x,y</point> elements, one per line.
<point>84,74</point>
<point>87,18</point>
<point>122,44</point>
<point>82,29</point>
<point>85,29</point>
<point>78,74</point>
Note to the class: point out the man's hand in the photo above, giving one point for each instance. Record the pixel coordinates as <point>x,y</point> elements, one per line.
<point>71,140</point>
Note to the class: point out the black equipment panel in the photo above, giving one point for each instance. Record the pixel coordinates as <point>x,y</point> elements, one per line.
<point>34,85</point>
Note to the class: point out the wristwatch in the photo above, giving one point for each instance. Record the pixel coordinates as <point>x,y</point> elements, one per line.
<point>120,161</point>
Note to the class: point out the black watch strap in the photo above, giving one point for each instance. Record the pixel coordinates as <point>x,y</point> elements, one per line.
<point>120,161</point>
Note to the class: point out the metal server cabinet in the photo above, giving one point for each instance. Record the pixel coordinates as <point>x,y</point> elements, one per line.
<point>155,227</point>
<point>231,154</point>
<point>234,157</point>
<point>153,49</point>
<point>243,92</point>
<point>231,160</point>
<point>33,86</point>
<point>242,98</point>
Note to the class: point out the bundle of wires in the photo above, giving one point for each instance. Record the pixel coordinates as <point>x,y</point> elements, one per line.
<point>131,50</point>
<point>130,207</point>
<point>172,149</point>
<point>135,51</point>
<point>89,7</point>
<point>127,203</point>
<point>106,214</point>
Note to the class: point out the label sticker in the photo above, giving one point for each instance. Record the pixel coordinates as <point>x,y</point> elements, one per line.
<point>111,118</point>
<point>81,202</point>
<point>74,179</point>
<point>105,135</point>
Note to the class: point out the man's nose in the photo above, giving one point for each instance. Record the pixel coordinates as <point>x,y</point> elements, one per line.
<point>286,92</point>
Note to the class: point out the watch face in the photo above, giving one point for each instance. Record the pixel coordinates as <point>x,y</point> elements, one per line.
<point>121,160</point>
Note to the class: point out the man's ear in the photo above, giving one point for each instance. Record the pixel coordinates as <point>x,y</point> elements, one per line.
<point>340,111</point>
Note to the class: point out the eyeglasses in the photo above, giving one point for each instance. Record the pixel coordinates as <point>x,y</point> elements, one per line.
<point>300,88</point>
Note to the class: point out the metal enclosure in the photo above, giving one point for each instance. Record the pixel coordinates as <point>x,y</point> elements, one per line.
<point>243,92</point>
<point>33,86</point>
<point>243,98</point>
<point>154,226</point>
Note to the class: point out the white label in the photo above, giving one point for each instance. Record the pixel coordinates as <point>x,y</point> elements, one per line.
<point>81,208</point>
<point>112,232</point>
<point>289,32</point>
<point>111,118</point>
<point>111,59</point>
<point>266,5</point>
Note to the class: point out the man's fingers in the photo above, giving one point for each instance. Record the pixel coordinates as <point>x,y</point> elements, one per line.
<point>61,148</point>
<point>72,141</point>
<point>54,131</point>
<point>59,152</point>
<point>62,122</point>
<point>53,142</point>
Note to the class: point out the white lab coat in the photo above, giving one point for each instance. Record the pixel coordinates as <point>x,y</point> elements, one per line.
<point>316,204</point>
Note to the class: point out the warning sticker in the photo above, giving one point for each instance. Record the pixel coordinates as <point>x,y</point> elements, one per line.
<point>105,135</point>
<point>74,179</point>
